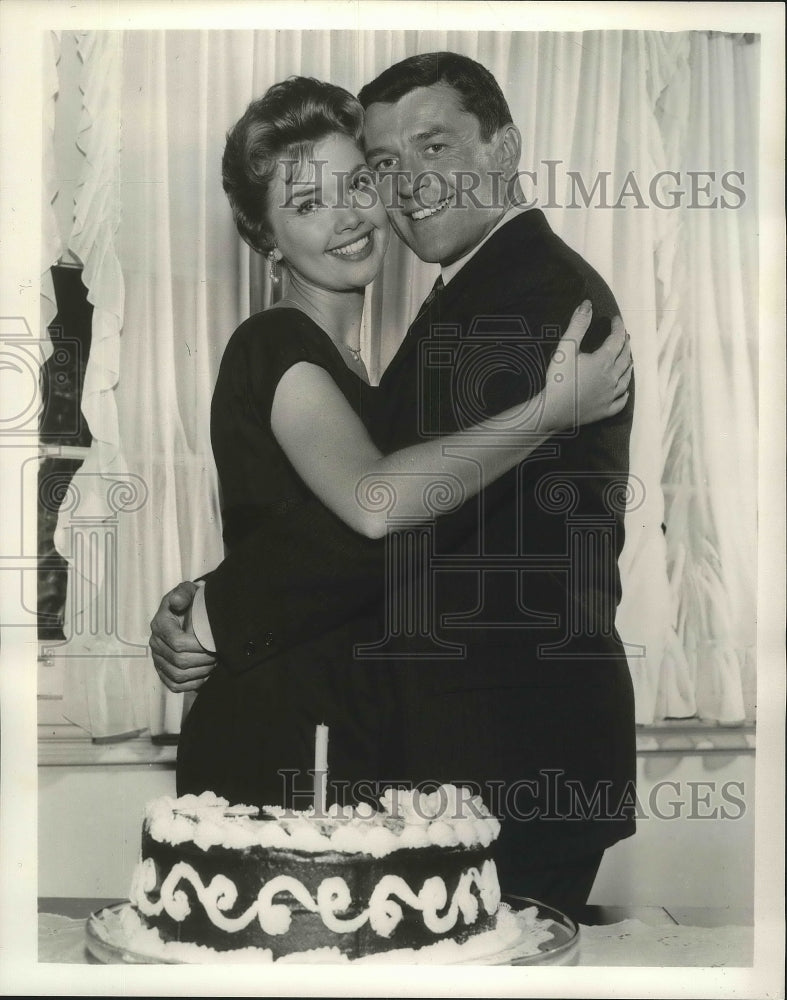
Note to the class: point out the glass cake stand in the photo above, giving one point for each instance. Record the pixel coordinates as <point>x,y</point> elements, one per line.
<point>106,940</point>
<point>563,949</point>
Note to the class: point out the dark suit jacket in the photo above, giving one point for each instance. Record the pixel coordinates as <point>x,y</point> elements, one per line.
<point>483,346</point>
<point>524,577</point>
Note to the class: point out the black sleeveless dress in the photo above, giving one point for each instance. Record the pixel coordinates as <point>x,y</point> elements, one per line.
<point>250,733</point>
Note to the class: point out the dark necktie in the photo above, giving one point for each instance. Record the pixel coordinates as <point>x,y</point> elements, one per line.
<point>437,287</point>
<point>412,333</point>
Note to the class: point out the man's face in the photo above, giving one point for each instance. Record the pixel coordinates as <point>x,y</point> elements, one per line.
<point>440,182</point>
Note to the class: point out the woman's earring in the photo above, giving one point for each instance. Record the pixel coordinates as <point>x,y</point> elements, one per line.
<point>273,266</point>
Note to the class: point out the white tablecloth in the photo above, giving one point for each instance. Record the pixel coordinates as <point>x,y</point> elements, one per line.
<point>632,942</point>
<point>628,943</point>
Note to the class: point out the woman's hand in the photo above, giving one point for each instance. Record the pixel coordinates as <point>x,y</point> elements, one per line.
<point>582,388</point>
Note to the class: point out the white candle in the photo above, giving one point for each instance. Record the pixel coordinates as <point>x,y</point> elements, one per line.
<point>320,769</point>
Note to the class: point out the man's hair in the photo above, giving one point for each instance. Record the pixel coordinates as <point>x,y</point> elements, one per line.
<point>284,123</point>
<point>478,91</point>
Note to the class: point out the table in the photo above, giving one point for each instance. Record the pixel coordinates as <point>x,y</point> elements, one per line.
<point>651,936</point>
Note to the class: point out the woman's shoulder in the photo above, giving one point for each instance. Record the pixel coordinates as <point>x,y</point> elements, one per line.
<point>265,345</point>
<point>272,326</point>
<point>276,336</point>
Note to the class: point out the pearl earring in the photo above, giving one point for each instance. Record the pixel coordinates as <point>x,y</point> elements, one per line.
<point>273,267</point>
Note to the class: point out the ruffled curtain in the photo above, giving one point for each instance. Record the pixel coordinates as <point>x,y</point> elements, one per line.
<point>51,240</point>
<point>102,692</point>
<point>709,402</point>
<point>187,287</point>
<point>586,103</point>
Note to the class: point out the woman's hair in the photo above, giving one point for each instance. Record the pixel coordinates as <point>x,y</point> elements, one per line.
<point>284,123</point>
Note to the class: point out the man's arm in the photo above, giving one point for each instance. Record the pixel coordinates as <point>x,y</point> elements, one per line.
<point>273,591</point>
<point>181,661</point>
<point>278,589</point>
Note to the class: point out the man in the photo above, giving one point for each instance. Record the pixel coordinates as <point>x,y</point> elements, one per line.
<point>519,683</point>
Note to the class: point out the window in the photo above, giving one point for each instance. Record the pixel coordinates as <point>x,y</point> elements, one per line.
<point>64,442</point>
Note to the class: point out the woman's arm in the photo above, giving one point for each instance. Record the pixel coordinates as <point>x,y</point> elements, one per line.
<point>332,452</point>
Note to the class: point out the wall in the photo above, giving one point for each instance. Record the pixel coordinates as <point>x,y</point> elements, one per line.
<point>693,859</point>
<point>68,158</point>
<point>89,821</point>
<point>89,827</point>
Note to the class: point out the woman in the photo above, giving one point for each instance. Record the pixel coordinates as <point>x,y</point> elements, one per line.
<point>297,464</point>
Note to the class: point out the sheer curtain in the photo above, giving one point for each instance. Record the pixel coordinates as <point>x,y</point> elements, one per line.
<point>51,240</point>
<point>586,103</point>
<point>102,657</point>
<point>712,523</point>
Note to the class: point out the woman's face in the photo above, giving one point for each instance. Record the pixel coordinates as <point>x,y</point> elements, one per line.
<point>326,216</point>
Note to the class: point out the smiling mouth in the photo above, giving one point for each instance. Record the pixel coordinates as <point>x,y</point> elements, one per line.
<point>427,213</point>
<point>351,249</point>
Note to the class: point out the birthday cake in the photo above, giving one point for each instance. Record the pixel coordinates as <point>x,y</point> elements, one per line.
<point>407,882</point>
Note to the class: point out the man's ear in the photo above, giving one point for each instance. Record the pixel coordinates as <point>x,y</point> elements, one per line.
<point>509,144</point>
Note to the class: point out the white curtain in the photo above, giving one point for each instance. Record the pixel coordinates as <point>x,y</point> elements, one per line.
<point>51,241</point>
<point>712,466</point>
<point>102,657</point>
<point>589,103</point>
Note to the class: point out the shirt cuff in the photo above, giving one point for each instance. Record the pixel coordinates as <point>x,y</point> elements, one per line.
<point>200,623</point>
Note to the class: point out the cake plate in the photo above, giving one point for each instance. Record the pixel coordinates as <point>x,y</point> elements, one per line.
<point>107,941</point>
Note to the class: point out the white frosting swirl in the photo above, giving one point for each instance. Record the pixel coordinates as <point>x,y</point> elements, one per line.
<point>384,913</point>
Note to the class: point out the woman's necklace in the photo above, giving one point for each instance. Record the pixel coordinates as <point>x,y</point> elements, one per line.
<point>358,365</point>
<point>306,307</point>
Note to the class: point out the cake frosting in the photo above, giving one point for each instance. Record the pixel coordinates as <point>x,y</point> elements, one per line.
<point>447,817</point>
<point>216,879</point>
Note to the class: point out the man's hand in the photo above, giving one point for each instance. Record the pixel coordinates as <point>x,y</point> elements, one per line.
<point>180,661</point>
